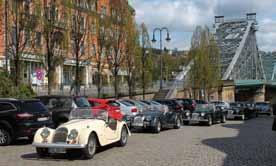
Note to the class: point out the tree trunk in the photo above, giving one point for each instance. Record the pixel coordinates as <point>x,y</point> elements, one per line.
<point>50,81</point>
<point>116,83</point>
<point>17,71</point>
<point>99,83</point>
<point>77,76</point>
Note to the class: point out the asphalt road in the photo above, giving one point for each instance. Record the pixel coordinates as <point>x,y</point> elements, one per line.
<point>236,143</point>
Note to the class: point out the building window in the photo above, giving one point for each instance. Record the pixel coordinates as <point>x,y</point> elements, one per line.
<point>38,39</point>
<point>94,50</point>
<point>94,27</point>
<point>103,11</point>
<point>27,38</point>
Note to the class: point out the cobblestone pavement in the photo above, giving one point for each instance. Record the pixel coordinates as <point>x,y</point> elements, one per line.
<point>236,143</point>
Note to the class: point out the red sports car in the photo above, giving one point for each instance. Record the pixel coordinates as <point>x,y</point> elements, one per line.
<point>110,105</point>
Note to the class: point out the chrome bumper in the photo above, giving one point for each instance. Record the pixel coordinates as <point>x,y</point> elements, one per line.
<point>59,145</point>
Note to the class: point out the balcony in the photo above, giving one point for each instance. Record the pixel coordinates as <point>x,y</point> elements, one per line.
<point>60,52</point>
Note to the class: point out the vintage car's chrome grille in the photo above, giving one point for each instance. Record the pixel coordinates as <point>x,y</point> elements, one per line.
<point>195,115</point>
<point>138,119</point>
<point>60,135</point>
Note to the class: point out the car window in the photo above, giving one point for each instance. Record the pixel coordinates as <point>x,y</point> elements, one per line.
<point>127,103</point>
<point>113,103</point>
<point>33,106</point>
<point>57,103</point>
<point>93,103</point>
<point>82,102</point>
<point>6,107</point>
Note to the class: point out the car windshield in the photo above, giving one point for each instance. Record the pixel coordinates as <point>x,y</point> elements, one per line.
<point>33,106</point>
<point>88,114</point>
<point>202,108</point>
<point>82,102</point>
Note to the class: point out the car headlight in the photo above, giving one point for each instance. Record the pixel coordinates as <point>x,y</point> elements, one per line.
<point>202,114</point>
<point>73,134</point>
<point>187,114</point>
<point>45,133</point>
<point>148,118</point>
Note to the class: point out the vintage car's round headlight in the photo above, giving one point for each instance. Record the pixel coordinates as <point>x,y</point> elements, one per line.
<point>202,114</point>
<point>45,133</point>
<point>148,118</point>
<point>73,134</point>
<point>187,114</point>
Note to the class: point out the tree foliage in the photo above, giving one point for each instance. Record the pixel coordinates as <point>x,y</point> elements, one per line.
<point>205,73</point>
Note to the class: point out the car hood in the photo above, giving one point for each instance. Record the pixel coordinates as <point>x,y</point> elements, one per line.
<point>79,124</point>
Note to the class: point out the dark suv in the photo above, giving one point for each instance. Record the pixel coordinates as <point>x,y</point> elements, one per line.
<point>21,118</point>
<point>61,106</point>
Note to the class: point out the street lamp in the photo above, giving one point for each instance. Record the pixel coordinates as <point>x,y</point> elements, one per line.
<point>161,49</point>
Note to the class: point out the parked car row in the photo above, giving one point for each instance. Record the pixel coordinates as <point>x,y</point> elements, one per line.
<point>66,124</point>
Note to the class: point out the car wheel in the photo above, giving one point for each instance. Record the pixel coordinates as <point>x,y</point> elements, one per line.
<point>223,119</point>
<point>90,149</point>
<point>177,123</point>
<point>42,152</point>
<point>124,137</point>
<point>243,117</point>
<point>5,137</point>
<point>157,127</point>
<point>210,121</point>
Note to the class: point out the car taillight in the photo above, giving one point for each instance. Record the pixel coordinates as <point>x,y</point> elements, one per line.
<point>134,110</point>
<point>24,116</point>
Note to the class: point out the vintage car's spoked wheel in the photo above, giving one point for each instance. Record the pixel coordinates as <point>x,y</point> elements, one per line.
<point>90,149</point>
<point>177,123</point>
<point>5,137</point>
<point>124,137</point>
<point>223,119</point>
<point>210,121</point>
<point>243,117</point>
<point>157,127</point>
<point>42,152</point>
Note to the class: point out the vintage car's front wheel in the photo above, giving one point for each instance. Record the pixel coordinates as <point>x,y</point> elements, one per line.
<point>210,121</point>
<point>42,152</point>
<point>90,149</point>
<point>157,127</point>
<point>124,137</point>
<point>223,118</point>
<point>177,123</point>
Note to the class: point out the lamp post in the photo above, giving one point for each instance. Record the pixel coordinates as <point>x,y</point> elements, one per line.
<point>160,30</point>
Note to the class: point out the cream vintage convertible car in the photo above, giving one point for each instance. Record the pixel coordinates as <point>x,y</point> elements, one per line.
<point>84,132</point>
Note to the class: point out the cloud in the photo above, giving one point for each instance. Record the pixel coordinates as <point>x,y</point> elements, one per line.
<point>182,16</point>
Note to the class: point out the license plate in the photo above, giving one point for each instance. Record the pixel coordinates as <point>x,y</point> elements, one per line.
<point>57,150</point>
<point>42,119</point>
<point>138,124</point>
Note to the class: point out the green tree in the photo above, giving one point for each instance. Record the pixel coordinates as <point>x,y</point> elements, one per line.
<point>20,29</point>
<point>132,51</point>
<point>120,12</point>
<point>54,35</point>
<point>145,58</point>
<point>205,73</point>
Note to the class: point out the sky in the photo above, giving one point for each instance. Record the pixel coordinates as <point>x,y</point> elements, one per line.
<point>182,16</point>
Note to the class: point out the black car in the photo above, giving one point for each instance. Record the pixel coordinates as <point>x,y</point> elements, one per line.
<point>206,114</point>
<point>157,120</point>
<point>21,118</point>
<point>187,104</point>
<point>172,104</point>
<point>61,106</point>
